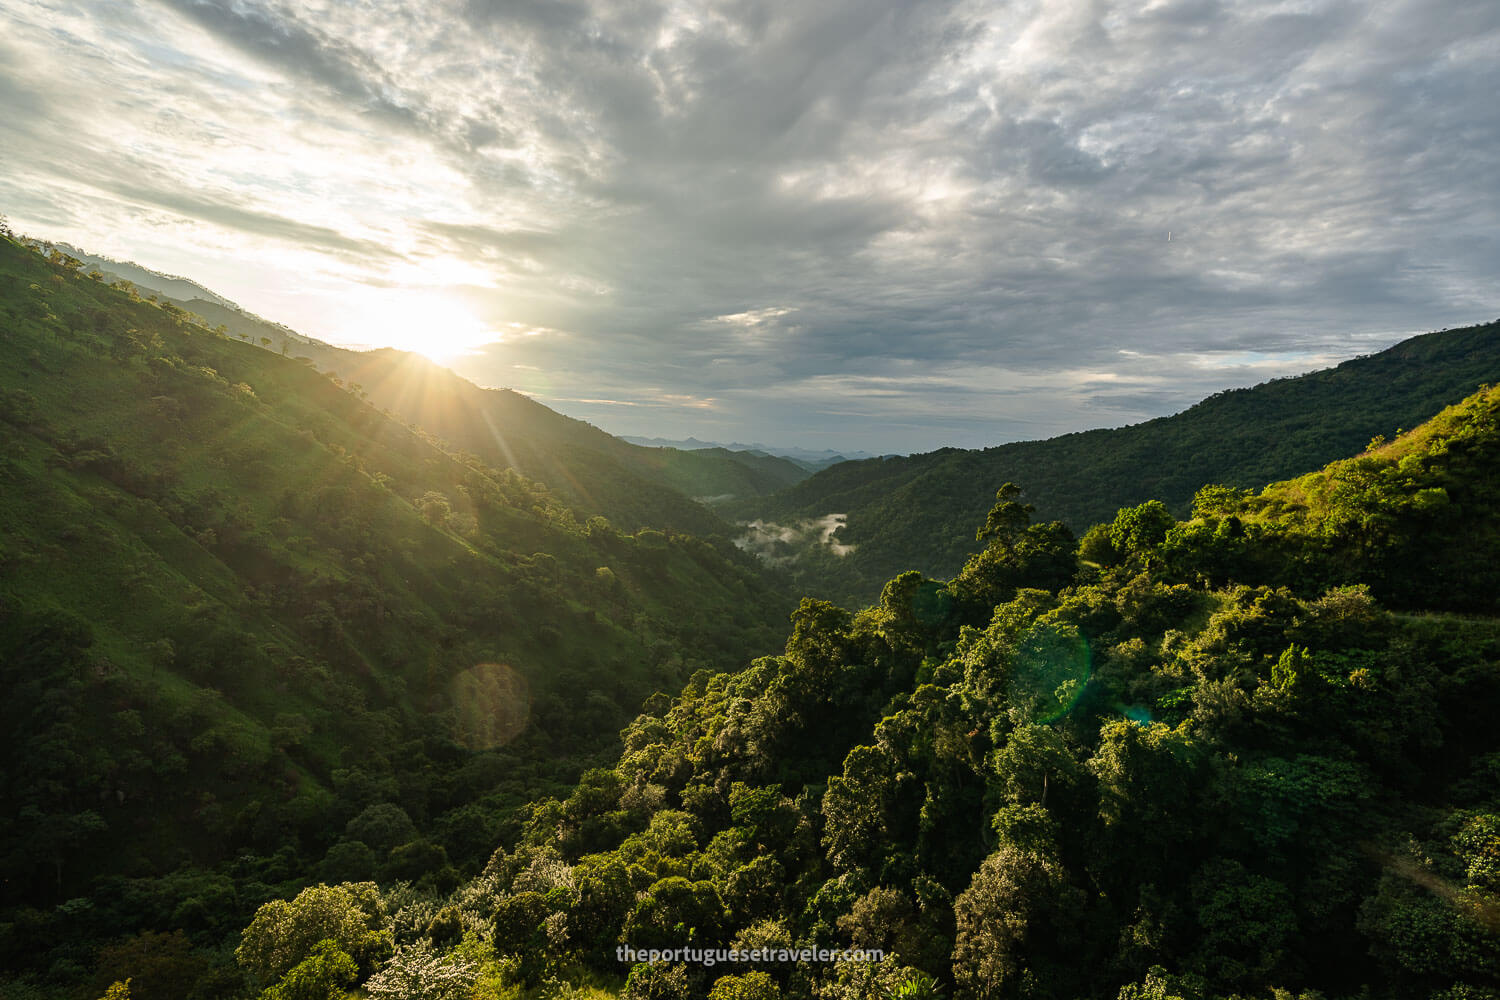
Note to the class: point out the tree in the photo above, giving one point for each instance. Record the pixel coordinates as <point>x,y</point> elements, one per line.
<point>419,973</point>
<point>882,919</point>
<point>1013,909</point>
<point>751,986</point>
<point>1139,531</point>
<point>1007,520</point>
<point>434,508</point>
<point>1151,781</point>
<point>1017,554</point>
<point>913,608</point>
<point>656,982</point>
<point>284,933</point>
<point>675,912</point>
<point>605,897</point>
<point>856,807</point>
<point>383,826</point>
<point>321,976</point>
<point>819,639</point>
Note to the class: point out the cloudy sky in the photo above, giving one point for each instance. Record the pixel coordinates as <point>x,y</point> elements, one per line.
<point>851,223</point>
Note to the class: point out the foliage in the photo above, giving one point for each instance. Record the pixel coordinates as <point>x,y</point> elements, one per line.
<point>320,976</point>
<point>750,986</point>
<point>350,916</point>
<point>417,972</point>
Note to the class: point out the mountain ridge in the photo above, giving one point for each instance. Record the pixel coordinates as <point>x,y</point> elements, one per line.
<point>808,456</point>
<point>918,511</point>
<point>597,473</point>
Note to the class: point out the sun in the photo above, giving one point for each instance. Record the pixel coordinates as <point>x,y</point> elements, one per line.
<point>430,323</point>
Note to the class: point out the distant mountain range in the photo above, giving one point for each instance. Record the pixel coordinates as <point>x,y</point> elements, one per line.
<point>897,512</point>
<point>171,285</point>
<point>805,457</point>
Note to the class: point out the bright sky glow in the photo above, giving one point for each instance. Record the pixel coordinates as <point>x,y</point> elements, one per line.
<point>874,224</point>
<point>431,324</point>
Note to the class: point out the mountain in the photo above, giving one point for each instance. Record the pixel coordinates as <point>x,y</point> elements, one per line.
<point>163,285</point>
<point>1246,754</point>
<point>919,512</point>
<point>301,697</point>
<point>242,611</point>
<point>213,309</point>
<point>805,457</point>
<point>248,327</point>
<point>595,473</point>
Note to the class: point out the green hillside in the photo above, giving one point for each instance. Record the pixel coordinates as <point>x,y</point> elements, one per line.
<point>247,327</point>
<point>253,629</point>
<point>1249,754</point>
<point>594,472</point>
<point>919,512</point>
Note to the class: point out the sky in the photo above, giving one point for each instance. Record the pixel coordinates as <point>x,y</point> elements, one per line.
<point>859,224</point>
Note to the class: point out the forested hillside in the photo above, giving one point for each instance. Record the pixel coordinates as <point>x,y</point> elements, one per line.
<point>253,631</point>
<point>919,512</point>
<point>594,472</point>
<point>1246,754</point>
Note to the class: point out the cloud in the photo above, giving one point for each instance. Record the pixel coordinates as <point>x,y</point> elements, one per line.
<point>880,224</point>
<point>223,212</point>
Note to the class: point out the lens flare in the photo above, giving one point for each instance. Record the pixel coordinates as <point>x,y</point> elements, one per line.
<point>491,705</point>
<point>1050,672</point>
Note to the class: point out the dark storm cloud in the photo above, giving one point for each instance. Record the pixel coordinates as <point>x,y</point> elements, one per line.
<point>933,221</point>
<point>307,53</point>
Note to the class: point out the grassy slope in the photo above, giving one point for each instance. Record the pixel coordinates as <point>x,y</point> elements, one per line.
<point>246,327</point>
<point>1413,517</point>
<point>596,472</point>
